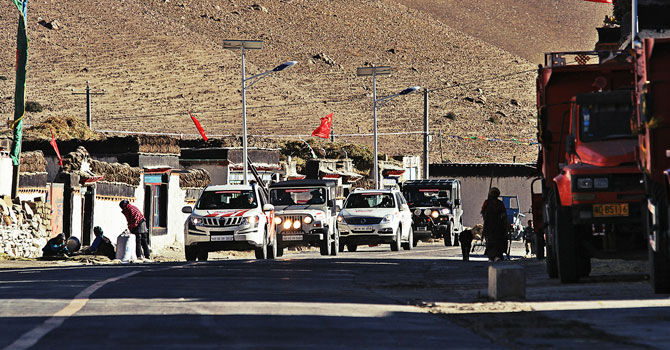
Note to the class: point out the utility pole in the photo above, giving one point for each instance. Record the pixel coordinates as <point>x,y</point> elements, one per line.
<point>88,94</point>
<point>426,135</point>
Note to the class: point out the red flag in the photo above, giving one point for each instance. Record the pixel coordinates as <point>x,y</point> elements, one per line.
<point>53,144</point>
<point>603,1</point>
<point>323,130</point>
<point>197,125</point>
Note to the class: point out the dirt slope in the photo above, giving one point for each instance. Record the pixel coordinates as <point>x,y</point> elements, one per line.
<point>157,59</point>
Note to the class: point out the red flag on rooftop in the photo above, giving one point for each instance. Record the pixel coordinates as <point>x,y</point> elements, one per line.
<point>323,130</point>
<point>603,1</point>
<point>198,126</point>
<point>53,144</point>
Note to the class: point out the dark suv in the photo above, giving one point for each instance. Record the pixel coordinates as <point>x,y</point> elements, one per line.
<point>436,208</point>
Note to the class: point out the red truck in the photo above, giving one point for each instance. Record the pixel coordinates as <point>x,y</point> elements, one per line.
<point>652,87</point>
<point>592,189</point>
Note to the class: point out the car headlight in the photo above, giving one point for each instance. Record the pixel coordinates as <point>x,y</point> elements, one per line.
<point>584,183</point>
<point>426,212</point>
<point>250,220</point>
<point>387,218</point>
<point>197,221</point>
<point>296,224</point>
<point>600,182</point>
<point>277,220</point>
<point>307,220</point>
<point>287,224</point>
<point>434,214</point>
<point>445,211</point>
<point>417,212</point>
<point>340,218</point>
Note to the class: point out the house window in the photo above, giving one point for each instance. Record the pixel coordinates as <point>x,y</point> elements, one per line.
<point>156,199</point>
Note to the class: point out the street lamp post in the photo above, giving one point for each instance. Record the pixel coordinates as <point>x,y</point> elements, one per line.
<point>249,45</point>
<point>374,71</point>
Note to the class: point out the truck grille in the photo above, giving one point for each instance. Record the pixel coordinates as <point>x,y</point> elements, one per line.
<point>293,219</point>
<point>222,222</point>
<point>626,182</point>
<point>357,220</point>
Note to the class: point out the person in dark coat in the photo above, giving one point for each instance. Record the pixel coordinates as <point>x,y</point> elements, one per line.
<point>102,245</point>
<point>55,246</point>
<point>495,225</point>
<point>465,238</point>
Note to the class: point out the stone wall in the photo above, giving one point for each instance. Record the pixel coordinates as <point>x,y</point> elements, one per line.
<point>24,228</point>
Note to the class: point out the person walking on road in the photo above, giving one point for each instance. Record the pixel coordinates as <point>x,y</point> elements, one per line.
<point>528,239</point>
<point>495,225</point>
<point>137,225</point>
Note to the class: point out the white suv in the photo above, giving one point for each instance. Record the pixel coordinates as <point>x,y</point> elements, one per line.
<point>375,217</point>
<point>230,217</point>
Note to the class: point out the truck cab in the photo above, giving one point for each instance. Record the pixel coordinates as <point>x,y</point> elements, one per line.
<point>437,211</point>
<point>305,215</point>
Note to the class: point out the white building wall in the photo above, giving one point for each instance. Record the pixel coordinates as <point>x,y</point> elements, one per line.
<point>6,168</point>
<point>77,218</point>
<point>107,214</point>
<point>176,219</point>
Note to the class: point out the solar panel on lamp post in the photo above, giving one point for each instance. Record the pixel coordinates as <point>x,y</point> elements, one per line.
<point>374,72</point>
<point>249,45</point>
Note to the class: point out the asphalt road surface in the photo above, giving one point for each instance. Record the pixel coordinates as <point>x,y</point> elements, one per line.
<point>425,298</point>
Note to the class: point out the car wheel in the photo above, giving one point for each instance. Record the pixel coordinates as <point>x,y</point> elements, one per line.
<point>191,253</point>
<point>280,251</point>
<point>335,244</point>
<point>410,240</point>
<point>448,235</point>
<point>272,250</point>
<point>395,245</point>
<point>352,247</point>
<point>415,241</point>
<point>203,255</point>
<point>262,251</point>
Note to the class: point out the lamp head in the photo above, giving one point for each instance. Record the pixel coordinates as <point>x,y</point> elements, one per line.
<point>409,90</point>
<point>284,66</point>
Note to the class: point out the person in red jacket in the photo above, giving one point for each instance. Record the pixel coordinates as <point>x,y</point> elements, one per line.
<point>138,226</point>
<point>495,225</point>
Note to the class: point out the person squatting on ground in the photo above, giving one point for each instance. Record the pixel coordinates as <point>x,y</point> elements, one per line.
<point>137,226</point>
<point>495,225</point>
<point>55,247</point>
<point>465,238</point>
<point>102,245</point>
<point>528,238</point>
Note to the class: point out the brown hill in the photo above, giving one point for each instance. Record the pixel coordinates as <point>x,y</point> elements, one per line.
<point>157,59</point>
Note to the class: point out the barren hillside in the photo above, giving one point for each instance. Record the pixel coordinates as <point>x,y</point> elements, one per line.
<point>157,59</point>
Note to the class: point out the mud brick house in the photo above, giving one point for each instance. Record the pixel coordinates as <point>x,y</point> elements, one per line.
<point>510,178</point>
<point>224,164</point>
<point>339,170</point>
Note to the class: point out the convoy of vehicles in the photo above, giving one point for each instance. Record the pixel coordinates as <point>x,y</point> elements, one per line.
<point>592,188</point>
<point>436,207</point>
<point>375,217</point>
<point>305,215</point>
<point>230,217</point>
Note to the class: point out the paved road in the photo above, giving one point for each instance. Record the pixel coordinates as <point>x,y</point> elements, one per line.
<point>372,299</point>
<point>302,301</point>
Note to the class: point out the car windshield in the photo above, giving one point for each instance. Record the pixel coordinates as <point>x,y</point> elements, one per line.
<point>425,197</point>
<point>605,121</point>
<point>298,196</point>
<point>370,200</point>
<point>227,199</point>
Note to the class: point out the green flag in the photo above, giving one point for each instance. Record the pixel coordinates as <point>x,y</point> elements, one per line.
<point>19,94</point>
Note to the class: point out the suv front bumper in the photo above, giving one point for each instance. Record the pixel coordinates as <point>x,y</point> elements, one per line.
<point>366,234</point>
<point>242,237</point>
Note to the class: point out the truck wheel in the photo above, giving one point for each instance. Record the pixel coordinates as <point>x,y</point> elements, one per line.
<point>410,240</point>
<point>550,261</point>
<point>336,244</point>
<point>395,245</point>
<point>415,242</point>
<point>584,266</point>
<point>203,255</point>
<point>352,247</point>
<point>659,270</point>
<point>566,246</point>
<point>324,246</point>
<point>262,251</point>
<point>272,250</point>
<point>448,236</point>
<point>191,253</point>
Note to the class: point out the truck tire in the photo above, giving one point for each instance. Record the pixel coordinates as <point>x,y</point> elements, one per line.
<point>324,245</point>
<point>202,255</point>
<point>395,245</point>
<point>334,247</point>
<point>191,253</point>
<point>448,236</point>
<point>410,240</point>
<point>550,261</point>
<point>566,246</point>
<point>262,251</point>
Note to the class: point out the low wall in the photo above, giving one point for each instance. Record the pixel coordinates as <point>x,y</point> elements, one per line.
<point>24,228</point>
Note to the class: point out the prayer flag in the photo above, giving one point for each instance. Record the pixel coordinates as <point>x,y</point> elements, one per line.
<point>19,93</point>
<point>198,126</point>
<point>323,130</point>
<point>55,146</point>
<point>603,1</point>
